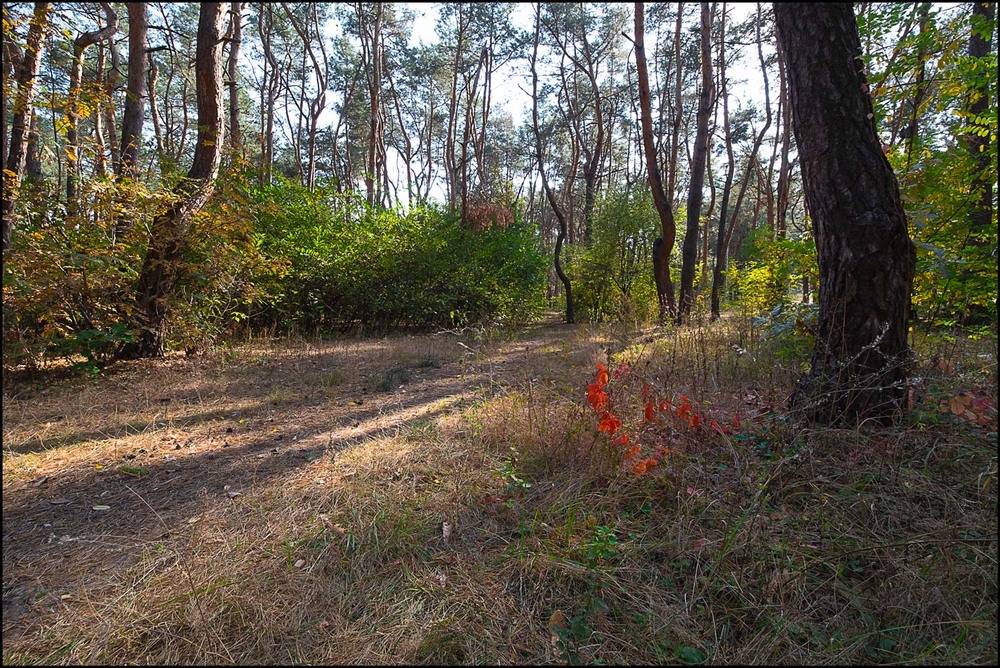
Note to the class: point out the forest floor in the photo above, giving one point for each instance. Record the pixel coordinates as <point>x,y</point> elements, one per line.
<point>448,498</point>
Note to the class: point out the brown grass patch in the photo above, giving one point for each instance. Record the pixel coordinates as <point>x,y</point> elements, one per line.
<point>280,503</point>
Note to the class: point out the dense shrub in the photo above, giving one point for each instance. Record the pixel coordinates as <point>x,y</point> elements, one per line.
<point>348,264</point>
<point>69,282</point>
<point>613,275</point>
<point>256,256</point>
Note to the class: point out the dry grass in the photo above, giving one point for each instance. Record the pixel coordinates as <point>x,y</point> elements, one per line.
<point>284,503</point>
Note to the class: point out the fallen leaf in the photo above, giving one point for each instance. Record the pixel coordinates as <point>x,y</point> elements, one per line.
<point>40,481</point>
<point>193,520</point>
<point>300,563</point>
<point>233,495</point>
<point>59,502</point>
<point>66,597</point>
<point>557,621</point>
<point>101,508</point>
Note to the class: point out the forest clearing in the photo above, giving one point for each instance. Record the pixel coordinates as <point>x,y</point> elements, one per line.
<point>499,333</point>
<point>283,502</point>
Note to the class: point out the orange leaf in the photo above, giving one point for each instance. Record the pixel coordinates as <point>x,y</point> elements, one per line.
<point>602,375</point>
<point>695,420</point>
<point>596,397</point>
<point>609,423</point>
<point>957,404</point>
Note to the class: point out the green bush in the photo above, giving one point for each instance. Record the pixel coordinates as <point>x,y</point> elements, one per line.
<point>347,264</point>
<point>613,276</point>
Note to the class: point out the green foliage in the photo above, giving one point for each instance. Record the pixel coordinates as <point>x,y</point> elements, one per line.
<point>346,264</point>
<point>613,276</point>
<point>69,282</point>
<point>770,269</point>
<point>940,168</point>
<point>791,328</point>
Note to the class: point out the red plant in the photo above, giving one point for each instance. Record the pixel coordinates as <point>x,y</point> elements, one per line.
<point>600,400</point>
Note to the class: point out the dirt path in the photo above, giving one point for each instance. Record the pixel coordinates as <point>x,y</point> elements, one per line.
<point>96,471</point>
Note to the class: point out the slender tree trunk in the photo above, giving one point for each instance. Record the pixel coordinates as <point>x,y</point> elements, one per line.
<point>23,109</point>
<point>723,246</point>
<point>663,245</point>
<point>981,214</point>
<point>135,103</point>
<point>675,142</point>
<point>866,259</point>
<point>80,45</point>
<point>232,69</point>
<point>689,250</point>
<point>169,230</point>
<point>100,150</point>
<point>784,166</point>
<point>540,158</point>
<point>108,106</point>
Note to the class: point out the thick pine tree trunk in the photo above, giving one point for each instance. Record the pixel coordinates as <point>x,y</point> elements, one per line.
<point>866,258</point>
<point>162,264</point>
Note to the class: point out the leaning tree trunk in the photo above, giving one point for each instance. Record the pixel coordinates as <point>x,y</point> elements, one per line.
<point>162,264</point>
<point>866,258</point>
<point>663,246</point>
<point>82,42</point>
<point>540,157</point>
<point>23,108</point>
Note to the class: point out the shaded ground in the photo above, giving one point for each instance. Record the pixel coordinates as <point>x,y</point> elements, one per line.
<point>448,498</point>
<point>94,470</point>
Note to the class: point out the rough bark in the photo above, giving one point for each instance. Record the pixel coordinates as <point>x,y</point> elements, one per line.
<point>866,259</point>
<point>135,103</point>
<point>663,246</point>
<point>169,230</point>
<point>689,249</point>
<point>232,69</point>
<point>23,108</point>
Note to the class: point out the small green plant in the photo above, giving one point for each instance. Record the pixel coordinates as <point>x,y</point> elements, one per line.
<point>96,345</point>
<point>508,472</point>
<point>602,546</point>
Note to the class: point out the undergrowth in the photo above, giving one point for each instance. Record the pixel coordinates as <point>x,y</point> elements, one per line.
<point>514,529</point>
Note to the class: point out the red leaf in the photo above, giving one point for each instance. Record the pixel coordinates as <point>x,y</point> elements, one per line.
<point>649,411</point>
<point>609,423</point>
